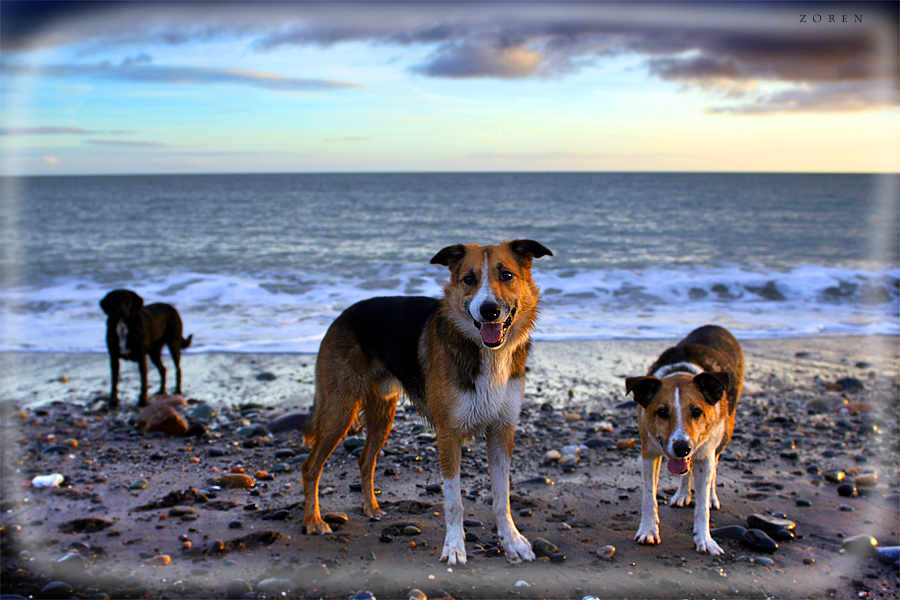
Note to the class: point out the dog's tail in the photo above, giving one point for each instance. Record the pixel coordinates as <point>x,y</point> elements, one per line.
<point>187,342</point>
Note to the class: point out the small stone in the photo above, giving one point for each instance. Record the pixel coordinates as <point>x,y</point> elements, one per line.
<point>335,518</point>
<point>889,555</point>
<point>139,484</point>
<point>236,481</point>
<point>417,595</point>
<point>202,412</point>
<point>607,552</point>
<point>552,456</point>
<point>571,417</point>
<point>266,376</point>
<point>294,421</point>
<point>353,442</point>
<point>411,530</point>
<point>809,561</point>
<point>835,476</point>
<point>564,526</point>
<point>757,540</point>
<point>803,502</point>
<point>161,560</point>
<point>542,547</point>
<point>557,557</point>
<point>845,508</point>
<point>847,384</point>
<point>269,586</point>
<point>763,560</point>
<point>363,595</point>
<point>847,490</point>
<point>281,468</point>
<point>237,588</point>
<point>56,449</point>
<point>70,564</point>
<point>863,546</point>
<point>780,529</point>
<point>866,480</point>
<point>625,444</point>
<point>730,532</point>
<point>56,590</point>
<point>434,488</point>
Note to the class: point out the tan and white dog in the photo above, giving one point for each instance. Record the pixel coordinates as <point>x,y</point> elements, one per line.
<point>686,414</point>
<point>460,360</point>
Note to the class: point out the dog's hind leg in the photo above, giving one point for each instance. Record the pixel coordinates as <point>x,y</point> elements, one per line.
<point>378,415</point>
<point>156,357</point>
<point>142,368</point>
<point>175,353</point>
<point>332,421</point>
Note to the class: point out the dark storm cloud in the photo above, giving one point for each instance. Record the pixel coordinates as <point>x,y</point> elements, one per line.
<point>704,44</point>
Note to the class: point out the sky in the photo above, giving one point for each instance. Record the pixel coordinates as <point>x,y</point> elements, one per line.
<point>236,87</point>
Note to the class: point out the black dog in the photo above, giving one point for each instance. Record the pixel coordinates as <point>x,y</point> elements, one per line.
<point>134,331</point>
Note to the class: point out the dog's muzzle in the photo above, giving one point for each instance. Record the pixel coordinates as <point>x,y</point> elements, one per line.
<point>493,333</point>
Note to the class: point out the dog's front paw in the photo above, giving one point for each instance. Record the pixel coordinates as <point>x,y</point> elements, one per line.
<point>319,527</point>
<point>647,535</point>
<point>708,545</point>
<point>454,555</point>
<point>518,549</point>
<point>375,515</point>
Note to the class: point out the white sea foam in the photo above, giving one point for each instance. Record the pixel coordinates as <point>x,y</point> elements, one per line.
<point>290,312</point>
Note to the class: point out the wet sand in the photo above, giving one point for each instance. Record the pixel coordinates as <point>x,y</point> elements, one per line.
<point>130,498</point>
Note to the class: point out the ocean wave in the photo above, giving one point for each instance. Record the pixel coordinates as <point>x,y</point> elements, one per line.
<point>289,312</point>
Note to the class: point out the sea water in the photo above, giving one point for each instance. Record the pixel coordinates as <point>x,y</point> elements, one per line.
<point>264,263</point>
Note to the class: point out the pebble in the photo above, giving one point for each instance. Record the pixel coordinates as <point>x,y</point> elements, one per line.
<point>803,502</point>
<point>202,412</point>
<point>294,421</point>
<point>763,560</point>
<point>757,540</point>
<point>270,585</point>
<point>888,555</point>
<point>780,529</point>
<point>335,518</point>
<point>353,442</point>
<point>70,564</point>
<point>557,557</point>
<point>236,481</point>
<point>847,490</point>
<point>607,552</point>
<point>866,480</point>
<point>730,532</point>
<point>824,404</point>
<point>552,456</point>
<point>161,560</point>
<point>845,508</point>
<point>625,444</point>
<point>835,476</point>
<point>139,484</point>
<point>237,588</point>
<point>56,449</point>
<point>363,595</point>
<point>417,595</point>
<point>56,589</point>
<point>847,384</point>
<point>411,530</point>
<point>863,546</point>
<point>542,547</point>
<point>564,526</point>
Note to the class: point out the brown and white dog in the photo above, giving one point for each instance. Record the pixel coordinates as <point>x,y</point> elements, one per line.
<point>686,414</point>
<point>460,360</point>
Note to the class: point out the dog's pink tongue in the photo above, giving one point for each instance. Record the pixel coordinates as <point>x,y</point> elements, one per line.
<point>491,332</point>
<point>677,466</point>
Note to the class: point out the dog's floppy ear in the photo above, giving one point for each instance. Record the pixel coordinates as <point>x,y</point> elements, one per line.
<point>528,249</point>
<point>713,385</point>
<point>137,303</point>
<point>449,255</point>
<point>644,389</point>
<point>107,304</point>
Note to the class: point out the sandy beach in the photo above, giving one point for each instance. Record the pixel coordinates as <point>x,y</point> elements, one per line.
<point>145,517</point>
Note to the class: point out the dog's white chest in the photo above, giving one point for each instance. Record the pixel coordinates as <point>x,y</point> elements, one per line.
<point>122,333</point>
<point>496,399</point>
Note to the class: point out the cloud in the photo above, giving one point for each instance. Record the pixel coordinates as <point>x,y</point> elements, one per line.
<point>50,160</point>
<point>826,97</point>
<point>731,46</point>
<point>140,72</point>
<point>55,131</point>
<point>127,143</point>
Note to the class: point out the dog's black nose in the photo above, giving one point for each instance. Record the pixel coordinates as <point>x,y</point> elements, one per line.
<point>490,311</point>
<point>681,448</point>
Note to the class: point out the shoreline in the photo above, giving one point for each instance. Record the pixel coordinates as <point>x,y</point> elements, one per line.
<point>574,392</point>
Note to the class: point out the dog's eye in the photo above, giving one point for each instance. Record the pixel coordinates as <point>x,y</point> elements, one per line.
<point>696,412</point>
<point>663,413</point>
<point>469,279</point>
<point>505,275</point>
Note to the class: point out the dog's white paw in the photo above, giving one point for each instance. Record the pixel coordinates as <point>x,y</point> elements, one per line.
<point>680,499</point>
<point>708,545</point>
<point>376,515</point>
<point>454,549</point>
<point>518,549</point>
<point>647,535</point>
<point>319,527</point>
